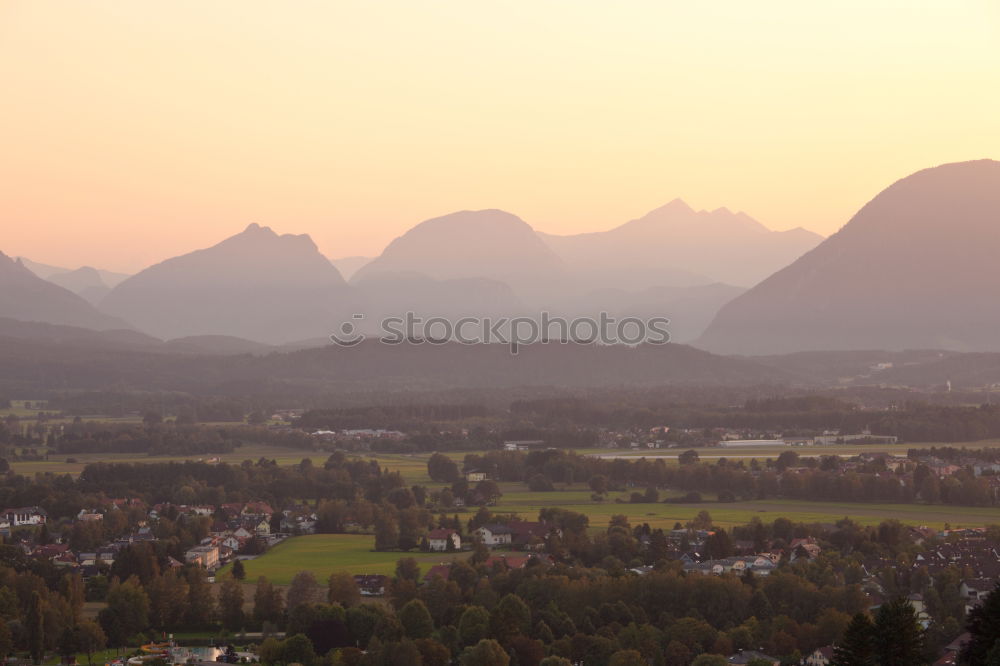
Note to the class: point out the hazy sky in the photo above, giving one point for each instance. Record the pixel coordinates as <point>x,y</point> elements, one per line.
<point>134,130</point>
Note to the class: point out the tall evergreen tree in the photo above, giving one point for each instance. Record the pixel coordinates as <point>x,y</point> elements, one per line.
<point>857,646</point>
<point>231,604</point>
<point>268,603</point>
<point>983,626</point>
<point>35,627</point>
<point>239,570</point>
<point>899,636</point>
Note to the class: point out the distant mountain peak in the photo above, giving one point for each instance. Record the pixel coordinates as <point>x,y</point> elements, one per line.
<point>492,218</point>
<point>676,205</point>
<point>914,268</point>
<point>675,245</point>
<point>488,243</point>
<point>256,284</point>
<point>265,238</point>
<point>26,297</point>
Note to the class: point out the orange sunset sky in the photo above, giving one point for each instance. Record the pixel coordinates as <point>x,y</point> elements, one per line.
<point>136,130</point>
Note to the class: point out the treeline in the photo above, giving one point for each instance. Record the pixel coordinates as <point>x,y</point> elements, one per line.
<point>911,421</point>
<point>788,476</point>
<point>957,454</point>
<point>479,439</point>
<point>159,438</point>
<point>154,436</point>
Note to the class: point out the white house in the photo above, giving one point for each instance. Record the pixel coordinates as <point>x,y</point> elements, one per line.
<point>27,515</point>
<point>820,656</point>
<point>974,590</point>
<point>495,535</point>
<point>440,538</point>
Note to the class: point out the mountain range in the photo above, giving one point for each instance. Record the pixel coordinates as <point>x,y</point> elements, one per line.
<point>278,289</point>
<point>913,269</point>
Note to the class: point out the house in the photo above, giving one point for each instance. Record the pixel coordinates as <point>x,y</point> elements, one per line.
<point>475,475</point>
<point>951,651</point>
<point>820,657</point>
<point>521,534</point>
<point>243,534</point>
<point>26,515</point>
<point>205,556</point>
<point>527,535</point>
<point>65,560</point>
<point>258,509</point>
<point>495,535</point>
<point>444,539</point>
<point>298,520</point>
<point>808,546</point>
<point>261,526</point>
<point>974,590</point>
<point>917,601</point>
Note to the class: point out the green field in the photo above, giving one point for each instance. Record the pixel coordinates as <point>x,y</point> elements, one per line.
<point>323,554</point>
<point>664,515</point>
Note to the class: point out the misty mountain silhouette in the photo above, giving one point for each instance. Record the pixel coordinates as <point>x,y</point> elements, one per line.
<point>915,268</point>
<point>395,294</point>
<point>255,285</point>
<point>46,272</point>
<point>27,297</point>
<point>488,244</point>
<point>348,266</point>
<point>86,282</point>
<point>674,245</point>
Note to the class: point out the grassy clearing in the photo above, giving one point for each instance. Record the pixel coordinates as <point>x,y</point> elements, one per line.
<point>323,554</point>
